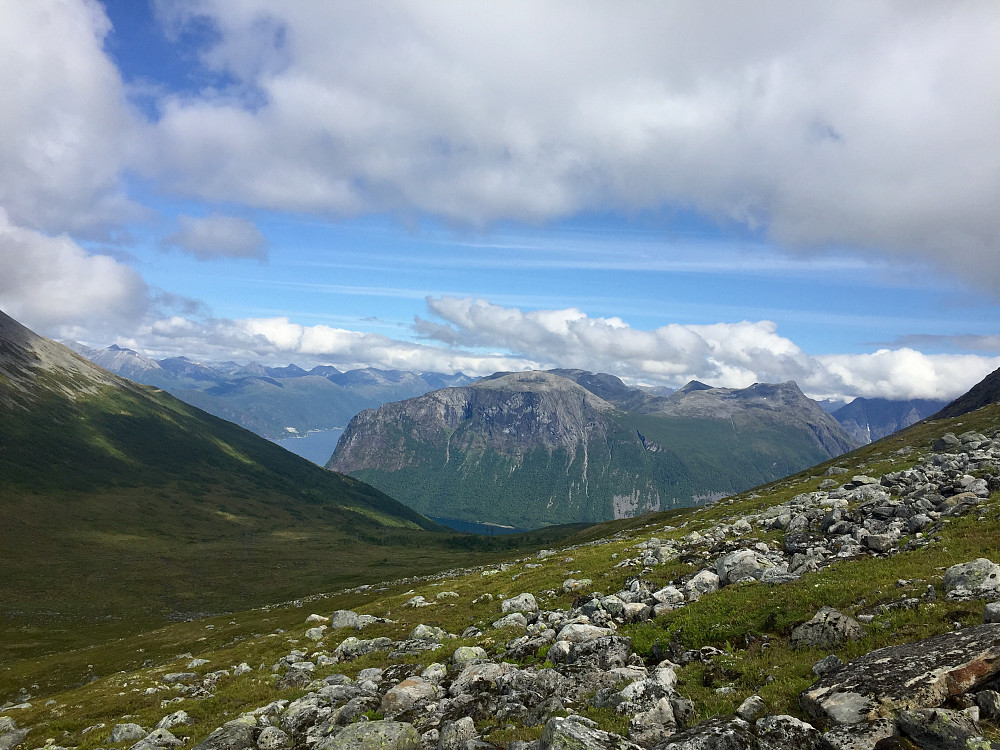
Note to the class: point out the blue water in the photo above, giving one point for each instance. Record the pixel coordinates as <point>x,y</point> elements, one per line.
<point>471,527</point>
<point>316,446</point>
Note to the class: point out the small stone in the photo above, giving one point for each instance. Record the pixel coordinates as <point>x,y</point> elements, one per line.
<point>126,733</point>
<point>520,603</point>
<point>273,738</point>
<point>751,708</point>
<point>827,665</point>
<point>827,628</point>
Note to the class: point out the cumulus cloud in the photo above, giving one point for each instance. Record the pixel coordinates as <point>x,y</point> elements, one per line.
<point>278,339</point>
<point>721,354</point>
<point>56,287</point>
<point>217,236</point>
<point>870,125</point>
<point>66,131</point>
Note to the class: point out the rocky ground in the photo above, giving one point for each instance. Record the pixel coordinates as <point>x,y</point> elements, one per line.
<point>562,666</point>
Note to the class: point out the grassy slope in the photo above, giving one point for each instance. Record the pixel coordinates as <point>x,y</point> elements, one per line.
<point>201,516</point>
<point>739,619</point>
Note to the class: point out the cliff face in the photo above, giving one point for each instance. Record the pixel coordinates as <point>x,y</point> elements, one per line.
<point>534,448</point>
<point>512,415</point>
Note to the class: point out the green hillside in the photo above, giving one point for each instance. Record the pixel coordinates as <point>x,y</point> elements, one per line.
<point>120,504</point>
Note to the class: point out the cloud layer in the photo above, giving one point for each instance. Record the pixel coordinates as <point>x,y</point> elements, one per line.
<point>869,125</point>
<point>722,354</point>
<point>217,236</point>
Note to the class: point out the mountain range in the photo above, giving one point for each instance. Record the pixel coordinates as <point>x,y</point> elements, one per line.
<point>536,448</point>
<point>274,402</point>
<point>869,419</point>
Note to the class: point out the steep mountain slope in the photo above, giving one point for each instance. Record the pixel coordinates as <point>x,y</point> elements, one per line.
<point>986,392</point>
<point>868,419</point>
<point>117,498</point>
<point>536,448</point>
<point>273,402</point>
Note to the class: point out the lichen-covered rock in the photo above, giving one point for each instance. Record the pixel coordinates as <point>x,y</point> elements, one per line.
<point>428,633</point>
<point>941,729</point>
<point>714,734</point>
<point>922,674</point>
<point>863,736</point>
<point>454,734</point>
<point>406,695</point>
<point>703,582</point>
<point>646,728</point>
<point>233,735</point>
<point>374,735</point>
<point>520,603</point>
<point>273,738</point>
<point>741,565</point>
<point>828,628</point>
<point>579,632</point>
<point>465,654</point>
<point>177,718</point>
<point>980,577</point>
<point>126,733</point>
<point>576,733</point>
<point>787,733</point>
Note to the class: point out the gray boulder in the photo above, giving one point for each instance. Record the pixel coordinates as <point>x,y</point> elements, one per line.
<point>177,718</point>
<point>273,738</point>
<point>12,738</point>
<point>374,735</point>
<point>703,582</point>
<point>923,674</point>
<point>126,733</point>
<point>233,735</point>
<point>742,565</point>
<point>715,734</point>
<point>828,628</point>
<point>863,736</point>
<point>465,654</point>
<point>406,695</point>
<point>344,618</point>
<point>980,577</point>
<point>577,733</point>
<point>454,734</point>
<point>787,733</point>
<point>941,729</point>
<point>520,603</point>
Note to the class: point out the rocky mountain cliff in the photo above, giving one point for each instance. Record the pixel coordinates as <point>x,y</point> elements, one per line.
<point>535,448</point>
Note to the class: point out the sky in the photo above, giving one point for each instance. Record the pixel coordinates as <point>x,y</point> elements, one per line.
<point>733,192</point>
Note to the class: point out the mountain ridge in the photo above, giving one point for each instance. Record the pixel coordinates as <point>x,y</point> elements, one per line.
<point>540,447</point>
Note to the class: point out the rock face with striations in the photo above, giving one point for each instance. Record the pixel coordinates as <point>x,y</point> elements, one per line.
<point>534,448</point>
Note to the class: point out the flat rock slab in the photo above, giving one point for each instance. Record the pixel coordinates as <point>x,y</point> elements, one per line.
<point>914,675</point>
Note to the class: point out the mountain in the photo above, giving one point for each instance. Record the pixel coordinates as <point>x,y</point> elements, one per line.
<point>274,402</point>
<point>116,499</point>
<point>986,392</point>
<point>536,448</point>
<point>868,419</point>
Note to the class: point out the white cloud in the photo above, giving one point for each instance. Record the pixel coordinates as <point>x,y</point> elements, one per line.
<point>280,340</point>
<point>217,236</point>
<point>66,131</point>
<point>859,124</point>
<point>54,286</point>
<point>721,354</point>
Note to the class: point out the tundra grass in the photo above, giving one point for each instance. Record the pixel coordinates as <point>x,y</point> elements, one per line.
<point>75,688</point>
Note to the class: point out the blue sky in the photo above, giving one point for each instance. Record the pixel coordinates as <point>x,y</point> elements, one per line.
<point>678,191</point>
